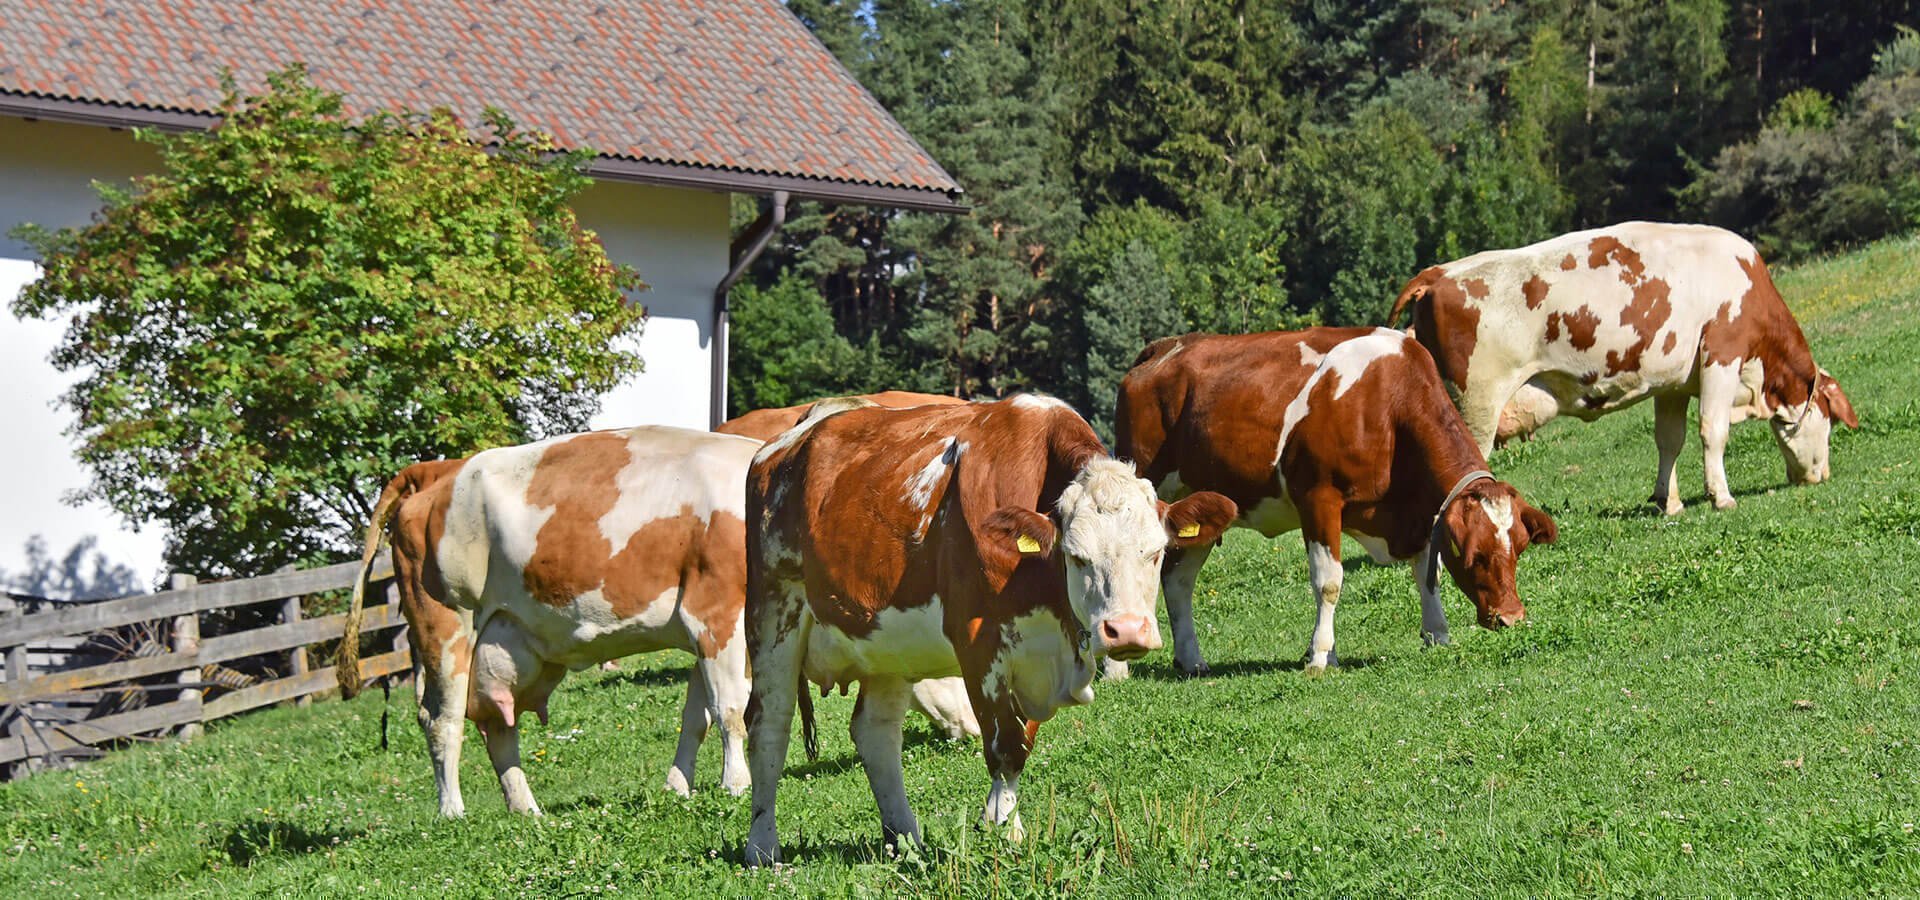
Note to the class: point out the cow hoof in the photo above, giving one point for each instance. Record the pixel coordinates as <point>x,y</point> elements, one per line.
<point>1197,670</point>
<point>740,788</point>
<point>1113,670</point>
<point>1668,505</point>
<point>1436,640</point>
<point>1725,502</point>
<point>1015,831</point>
<point>758,856</point>
<point>677,783</point>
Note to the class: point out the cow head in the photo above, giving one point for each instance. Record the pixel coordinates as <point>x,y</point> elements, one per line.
<point>1482,534</point>
<point>1111,535</point>
<point>1805,431</point>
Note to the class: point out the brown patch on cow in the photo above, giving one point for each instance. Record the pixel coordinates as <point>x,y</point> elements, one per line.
<point>1649,309</point>
<point>573,478</point>
<point>1590,378</point>
<point>1476,288</point>
<point>1535,291</point>
<point>1764,330</point>
<point>1609,248</point>
<point>1569,264</point>
<point>1582,325</point>
<point>1448,327</point>
<point>435,627</point>
<point>1673,340</point>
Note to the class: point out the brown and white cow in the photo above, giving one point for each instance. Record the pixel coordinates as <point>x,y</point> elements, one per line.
<point>1330,431</point>
<point>1595,321</point>
<point>941,700</point>
<point>522,562</point>
<point>994,541</point>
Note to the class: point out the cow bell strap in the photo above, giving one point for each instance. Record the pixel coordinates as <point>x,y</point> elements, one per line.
<point>1433,538</point>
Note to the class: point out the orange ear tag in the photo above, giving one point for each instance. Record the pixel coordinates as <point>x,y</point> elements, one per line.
<point>1191,529</point>
<point>1027,544</point>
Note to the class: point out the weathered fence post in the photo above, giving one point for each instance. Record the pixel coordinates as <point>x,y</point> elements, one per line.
<point>186,640</point>
<point>16,673</point>
<point>297,660</point>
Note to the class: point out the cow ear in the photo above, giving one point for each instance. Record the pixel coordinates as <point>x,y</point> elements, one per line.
<point>1021,531</point>
<point>1539,525</point>
<point>1836,402</point>
<point>1198,519</point>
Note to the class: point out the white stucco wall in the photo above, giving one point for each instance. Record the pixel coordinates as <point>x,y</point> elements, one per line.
<point>676,238</point>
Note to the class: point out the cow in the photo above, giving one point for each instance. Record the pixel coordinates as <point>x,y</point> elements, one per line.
<point>766,424</point>
<point>1329,431</point>
<point>1595,321</point>
<point>993,541</point>
<point>520,563</point>
<point>941,700</point>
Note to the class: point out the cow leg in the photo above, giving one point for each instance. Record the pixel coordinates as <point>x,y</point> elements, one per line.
<point>1007,740</point>
<point>1177,576</point>
<point>777,636</point>
<point>1719,385</point>
<point>1480,407</point>
<point>503,748</point>
<point>1669,435</point>
<point>727,695</point>
<point>944,701</point>
<point>1320,525</point>
<point>877,718</point>
<point>694,719</point>
<point>443,717</point>
<point>1433,616</point>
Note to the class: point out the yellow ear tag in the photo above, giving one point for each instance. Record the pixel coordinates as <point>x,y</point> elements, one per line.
<point>1455,544</point>
<point>1191,529</point>
<point>1027,544</point>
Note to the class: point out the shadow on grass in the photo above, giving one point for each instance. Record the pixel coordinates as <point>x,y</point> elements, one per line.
<point>250,841</point>
<point>642,678</point>
<point>1237,668</point>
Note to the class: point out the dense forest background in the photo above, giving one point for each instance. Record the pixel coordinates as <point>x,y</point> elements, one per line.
<point>1138,169</point>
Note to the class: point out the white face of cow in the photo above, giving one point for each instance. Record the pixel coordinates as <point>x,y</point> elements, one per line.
<point>1803,435</point>
<point>1804,432</point>
<point>1113,538</point>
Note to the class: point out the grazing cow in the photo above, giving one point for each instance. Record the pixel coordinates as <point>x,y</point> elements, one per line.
<point>522,562</point>
<point>994,541</point>
<point>1595,321</point>
<point>942,700</point>
<point>765,424</point>
<point>1330,431</point>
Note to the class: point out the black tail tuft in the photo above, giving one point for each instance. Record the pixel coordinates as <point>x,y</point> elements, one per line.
<point>809,732</point>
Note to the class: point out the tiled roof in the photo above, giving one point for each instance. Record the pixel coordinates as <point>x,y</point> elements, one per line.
<point>734,94</point>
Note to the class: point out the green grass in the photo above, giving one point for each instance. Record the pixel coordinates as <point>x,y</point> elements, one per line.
<point>1717,704</point>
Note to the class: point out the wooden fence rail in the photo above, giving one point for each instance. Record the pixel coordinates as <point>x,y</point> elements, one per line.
<point>25,736</point>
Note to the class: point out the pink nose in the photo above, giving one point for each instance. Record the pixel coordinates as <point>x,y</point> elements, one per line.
<point>1129,637</point>
<point>1507,619</point>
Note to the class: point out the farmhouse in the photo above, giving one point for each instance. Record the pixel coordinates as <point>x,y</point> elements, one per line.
<point>686,102</point>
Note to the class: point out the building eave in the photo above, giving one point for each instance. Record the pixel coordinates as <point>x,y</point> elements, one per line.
<point>605,168</point>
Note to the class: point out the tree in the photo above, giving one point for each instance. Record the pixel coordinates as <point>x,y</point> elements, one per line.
<point>300,304</point>
<point>786,351</point>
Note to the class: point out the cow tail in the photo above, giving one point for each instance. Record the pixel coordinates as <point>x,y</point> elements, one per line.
<point>1415,291</point>
<point>346,666</point>
<point>809,732</point>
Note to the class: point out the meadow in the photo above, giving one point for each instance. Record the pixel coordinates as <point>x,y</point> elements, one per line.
<point>1720,703</point>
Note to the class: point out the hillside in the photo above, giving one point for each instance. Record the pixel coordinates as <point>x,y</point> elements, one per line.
<point>1720,703</point>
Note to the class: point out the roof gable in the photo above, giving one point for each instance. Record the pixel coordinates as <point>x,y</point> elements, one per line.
<point>720,94</point>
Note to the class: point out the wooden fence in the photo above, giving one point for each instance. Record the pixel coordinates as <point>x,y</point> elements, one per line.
<point>47,715</point>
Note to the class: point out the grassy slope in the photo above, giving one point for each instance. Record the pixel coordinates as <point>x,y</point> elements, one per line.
<point>1720,703</point>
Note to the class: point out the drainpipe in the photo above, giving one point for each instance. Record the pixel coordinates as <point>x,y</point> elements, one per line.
<point>755,239</point>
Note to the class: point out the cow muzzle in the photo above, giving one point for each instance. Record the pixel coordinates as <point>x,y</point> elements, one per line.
<point>1127,638</point>
<point>1503,620</point>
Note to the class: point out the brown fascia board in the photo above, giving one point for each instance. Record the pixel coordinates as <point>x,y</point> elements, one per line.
<point>663,174</point>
